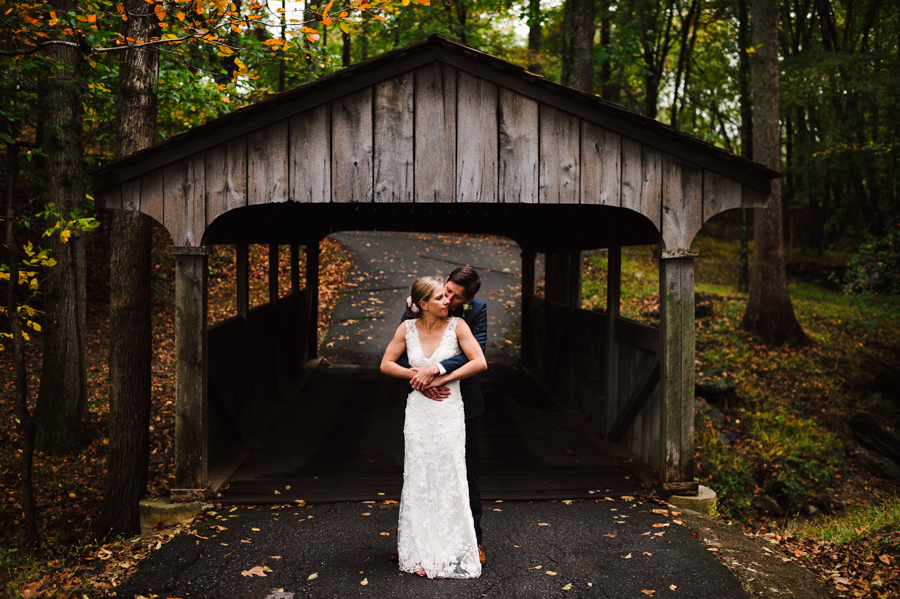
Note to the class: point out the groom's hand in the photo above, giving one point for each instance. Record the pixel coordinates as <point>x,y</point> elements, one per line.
<point>424,377</point>
<point>437,393</point>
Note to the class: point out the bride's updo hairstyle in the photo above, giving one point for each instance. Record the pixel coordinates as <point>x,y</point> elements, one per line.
<point>422,289</point>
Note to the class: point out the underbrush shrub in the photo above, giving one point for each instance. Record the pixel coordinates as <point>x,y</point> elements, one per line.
<point>723,468</point>
<point>875,267</point>
<point>798,458</point>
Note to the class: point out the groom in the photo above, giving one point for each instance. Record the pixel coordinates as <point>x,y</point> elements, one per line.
<point>460,289</point>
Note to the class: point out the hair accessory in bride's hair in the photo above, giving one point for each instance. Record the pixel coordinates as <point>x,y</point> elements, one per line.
<point>412,307</point>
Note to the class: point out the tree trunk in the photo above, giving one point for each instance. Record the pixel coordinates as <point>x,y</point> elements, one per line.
<point>346,51</point>
<point>535,34</point>
<point>608,91</point>
<point>769,311</point>
<point>578,44</point>
<point>130,335</point>
<point>746,133</point>
<point>23,415</point>
<point>61,410</point>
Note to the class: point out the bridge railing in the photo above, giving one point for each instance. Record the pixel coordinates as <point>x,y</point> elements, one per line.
<point>570,353</point>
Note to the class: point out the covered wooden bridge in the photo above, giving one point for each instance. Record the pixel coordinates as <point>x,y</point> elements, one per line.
<point>438,137</point>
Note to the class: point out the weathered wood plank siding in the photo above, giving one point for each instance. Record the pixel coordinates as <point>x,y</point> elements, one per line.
<point>153,200</point>
<point>682,202</point>
<point>310,149</point>
<point>226,178</point>
<point>394,140</point>
<point>352,147</point>
<point>267,165</point>
<point>435,133</point>
<point>518,122</point>
<point>560,149</point>
<point>476,140</point>
<point>185,201</point>
<point>601,168</point>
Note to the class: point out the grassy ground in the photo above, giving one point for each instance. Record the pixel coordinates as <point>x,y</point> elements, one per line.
<point>778,424</point>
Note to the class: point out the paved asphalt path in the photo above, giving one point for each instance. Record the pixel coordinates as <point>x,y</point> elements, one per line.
<point>600,548</point>
<point>605,547</point>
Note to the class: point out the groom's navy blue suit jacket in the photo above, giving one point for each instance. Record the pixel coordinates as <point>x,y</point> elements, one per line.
<point>476,318</point>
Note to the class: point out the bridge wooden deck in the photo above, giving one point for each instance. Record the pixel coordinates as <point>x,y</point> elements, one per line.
<point>341,439</point>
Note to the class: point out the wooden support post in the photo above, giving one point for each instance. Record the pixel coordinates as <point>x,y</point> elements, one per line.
<point>676,281</point>
<point>190,371</point>
<point>295,268</point>
<point>312,283</point>
<point>242,308</point>
<point>274,325</point>
<point>296,343</point>
<point>611,363</point>
<point>526,351</point>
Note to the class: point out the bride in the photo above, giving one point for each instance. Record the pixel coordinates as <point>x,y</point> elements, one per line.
<point>436,534</point>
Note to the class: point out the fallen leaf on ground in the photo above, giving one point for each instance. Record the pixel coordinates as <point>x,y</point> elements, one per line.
<point>627,498</point>
<point>567,501</point>
<point>649,592</point>
<point>364,581</point>
<point>550,573</point>
<point>313,576</point>
<point>385,534</point>
<point>568,587</point>
<point>543,524</point>
<point>660,524</point>
<point>660,512</point>
<point>254,571</point>
<point>672,587</point>
<point>367,513</point>
<point>610,536</point>
<point>389,501</point>
<point>628,556</point>
<point>647,553</point>
<point>255,529</point>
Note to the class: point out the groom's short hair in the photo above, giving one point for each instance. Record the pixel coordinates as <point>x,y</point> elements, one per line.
<point>467,278</point>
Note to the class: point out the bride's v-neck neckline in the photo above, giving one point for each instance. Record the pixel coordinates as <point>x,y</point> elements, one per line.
<point>440,343</point>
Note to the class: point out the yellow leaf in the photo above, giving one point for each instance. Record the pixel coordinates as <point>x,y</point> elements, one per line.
<point>364,581</point>
<point>64,236</point>
<point>568,587</point>
<point>254,571</point>
<point>225,49</point>
<point>550,573</point>
<point>34,325</point>
<point>313,576</point>
<point>385,534</point>
<point>71,495</point>
<point>649,592</point>
<point>672,587</point>
<point>628,556</point>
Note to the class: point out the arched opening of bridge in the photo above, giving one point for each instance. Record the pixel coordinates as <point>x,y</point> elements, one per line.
<point>438,137</point>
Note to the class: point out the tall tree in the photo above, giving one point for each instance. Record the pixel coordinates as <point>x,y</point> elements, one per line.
<point>578,44</point>
<point>535,35</point>
<point>130,335</point>
<point>61,410</point>
<point>746,133</point>
<point>769,313</point>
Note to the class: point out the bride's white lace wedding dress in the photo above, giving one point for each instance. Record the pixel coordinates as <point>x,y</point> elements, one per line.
<point>436,532</point>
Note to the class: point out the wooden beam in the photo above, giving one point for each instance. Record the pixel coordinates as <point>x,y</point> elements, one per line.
<point>526,355</point>
<point>295,268</point>
<point>242,349</point>
<point>610,364</point>
<point>676,280</point>
<point>312,283</point>
<point>190,371</point>
<point>648,381</point>
<point>274,324</point>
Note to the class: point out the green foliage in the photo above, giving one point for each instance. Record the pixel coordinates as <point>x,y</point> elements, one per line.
<point>728,471</point>
<point>799,457</point>
<point>859,523</point>
<point>875,267</point>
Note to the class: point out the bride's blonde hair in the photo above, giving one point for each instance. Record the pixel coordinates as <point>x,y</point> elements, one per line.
<point>422,289</point>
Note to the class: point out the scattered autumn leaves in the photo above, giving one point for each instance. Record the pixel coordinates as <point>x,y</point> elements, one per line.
<point>69,488</point>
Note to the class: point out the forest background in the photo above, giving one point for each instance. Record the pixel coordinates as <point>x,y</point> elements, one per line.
<point>687,63</point>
